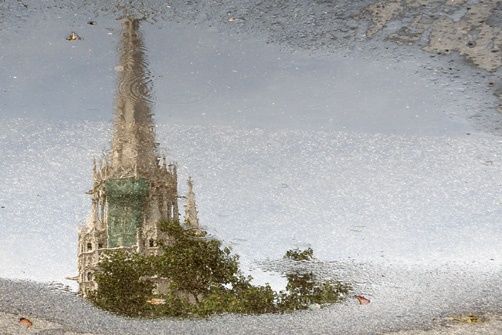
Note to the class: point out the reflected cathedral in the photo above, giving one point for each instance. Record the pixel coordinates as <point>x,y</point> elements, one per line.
<point>134,188</point>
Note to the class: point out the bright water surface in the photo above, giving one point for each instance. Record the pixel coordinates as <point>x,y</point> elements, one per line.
<point>370,153</point>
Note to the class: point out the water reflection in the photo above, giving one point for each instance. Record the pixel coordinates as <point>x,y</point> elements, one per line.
<point>207,77</point>
<point>46,79</point>
<point>134,188</point>
<point>133,144</point>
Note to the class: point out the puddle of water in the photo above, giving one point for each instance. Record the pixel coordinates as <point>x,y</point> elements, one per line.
<point>203,77</point>
<point>319,119</point>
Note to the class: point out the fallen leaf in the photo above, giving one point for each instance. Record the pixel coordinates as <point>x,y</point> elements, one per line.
<point>469,318</point>
<point>156,301</point>
<point>362,299</point>
<point>25,322</point>
<point>73,37</point>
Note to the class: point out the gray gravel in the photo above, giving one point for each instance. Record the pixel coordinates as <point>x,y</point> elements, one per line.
<point>398,301</point>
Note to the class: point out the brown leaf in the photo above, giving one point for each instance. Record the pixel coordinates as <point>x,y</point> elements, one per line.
<point>362,299</point>
<point>25,322</point>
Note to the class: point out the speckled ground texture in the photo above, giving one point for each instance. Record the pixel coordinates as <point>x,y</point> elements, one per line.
<point>368,130</point>
<point>399,301</point>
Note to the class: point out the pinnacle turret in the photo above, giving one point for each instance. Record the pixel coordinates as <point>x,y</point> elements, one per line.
<point>191,214</point>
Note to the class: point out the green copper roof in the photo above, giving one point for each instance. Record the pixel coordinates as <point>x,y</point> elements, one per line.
<point>126,202</point>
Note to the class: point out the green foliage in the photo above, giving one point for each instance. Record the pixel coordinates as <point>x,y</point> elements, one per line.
<point>174,305</point>
<point>246,300</point>
<point>204,279</point>
<point>195,263</point>
<point>123,288</point>
<point>300,255</point>
<point>303,290</point>
<point>254,299</point>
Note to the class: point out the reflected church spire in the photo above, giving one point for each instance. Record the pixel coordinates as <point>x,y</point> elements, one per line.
<point>133,145</point>
<point>134,189</point>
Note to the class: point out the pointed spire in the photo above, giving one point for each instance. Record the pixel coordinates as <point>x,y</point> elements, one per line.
<point>191,214</point>
<point>133,143</point>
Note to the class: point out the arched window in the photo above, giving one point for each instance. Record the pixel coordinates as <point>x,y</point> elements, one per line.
<point>89,276</point>
<point>89,246</point>
<point>172,210</point>
<point>151,243</point>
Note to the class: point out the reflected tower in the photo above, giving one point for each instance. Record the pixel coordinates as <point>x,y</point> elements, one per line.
<point>133,187</point>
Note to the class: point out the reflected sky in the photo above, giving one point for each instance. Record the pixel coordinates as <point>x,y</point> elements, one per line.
<point>205,77</point>
<point>359,153</point>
